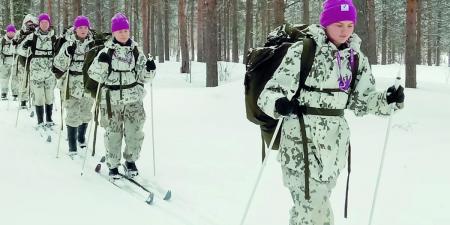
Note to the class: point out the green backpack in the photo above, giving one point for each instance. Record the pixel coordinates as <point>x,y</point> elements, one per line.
<point>262,62</point>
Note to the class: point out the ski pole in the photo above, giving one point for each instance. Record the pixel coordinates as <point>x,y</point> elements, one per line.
<point>24,85</point>
<point>380,169</point>
<point>66,81</point>
<point>261,170</point>
<point>94,108</point>
<point>153,130</point>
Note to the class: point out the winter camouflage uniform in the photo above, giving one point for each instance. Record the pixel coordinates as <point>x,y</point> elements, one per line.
<point>78,104</point>
<point>7,51</point>
<point>327,136</point>
<point>21,59</point>
<point>126,114</point>
<point>42,79</point>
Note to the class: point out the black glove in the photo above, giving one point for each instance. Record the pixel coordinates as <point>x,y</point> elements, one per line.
<point>284,107</point>
<point>150,65</point>
<point>394,95</point>
<point>27,43</point>
<point>104,58</point>
<point>71,50</point>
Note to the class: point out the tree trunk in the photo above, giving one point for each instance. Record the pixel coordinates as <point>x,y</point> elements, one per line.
<point>211,44</point>
<point>49,9</point>
<point>66,14</point>
<point>200,29</point>
<point>384,33</point>
<point>410,54</point>
<point>248,28</point>
<point>278,6</point>
<point>219,35</point>
<point>152,28</point>
<point>145,33</point>
<point>305,12</point>
<point>76,8</point>
<point>234,17</point>
<point>42,5</point>
<point>112,9</point>
<point>135,21</point>
<point>167,29</point>
<point>438,37</point>
<point>98,15</point>
<point>372,40</point>
<point>362,28</point>
<point>160,32</point>
<point>183,37</point>
<point>430,31</point>
<point>192,29</point>
<point>265,22</point>
<point>419,32</point>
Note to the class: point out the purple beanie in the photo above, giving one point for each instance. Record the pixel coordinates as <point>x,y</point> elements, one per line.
<point>81,21</point>
<point>119,22</point>
<point>44,16</point>
<point>337,10</point>
<point>10,28</point>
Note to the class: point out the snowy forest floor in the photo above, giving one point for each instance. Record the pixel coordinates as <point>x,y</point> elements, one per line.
<point>208,154</point>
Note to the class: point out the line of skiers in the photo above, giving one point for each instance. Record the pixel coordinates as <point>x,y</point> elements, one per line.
<point>35,61</point>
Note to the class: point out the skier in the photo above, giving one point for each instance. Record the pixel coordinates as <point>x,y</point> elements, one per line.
<point>121,69</point>
<point>7,52</point>
<point>315,135</point>
<point>77,103</point>
<point>42,80</point>
<point>28,27</point>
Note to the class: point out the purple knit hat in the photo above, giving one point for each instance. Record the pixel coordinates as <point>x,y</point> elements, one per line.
<point>337,10</point>
<point>44,16</point>
<point>119,22</point>
<point>81,21</point>
<point>11,28</point>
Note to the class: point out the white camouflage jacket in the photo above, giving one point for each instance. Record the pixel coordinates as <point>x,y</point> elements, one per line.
<point>63,62</point>
<point>40,67</point>
<point>7,50</point>
<point>130,73</point>
<point>328,136</point>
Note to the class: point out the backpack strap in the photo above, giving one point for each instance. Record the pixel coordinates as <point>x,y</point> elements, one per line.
<point>307,60</point>
<point>33,44</point>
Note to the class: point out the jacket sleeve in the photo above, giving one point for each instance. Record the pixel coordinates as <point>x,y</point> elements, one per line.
<point>62,59</point>
<point>365,99</point>
<point>284,82</point>
<point>98,70</point>
<point>24,51</point>
<point>144,76</point>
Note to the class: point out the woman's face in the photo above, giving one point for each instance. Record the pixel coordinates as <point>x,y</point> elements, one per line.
<point>340,32</point>
<point>82,31</point>
<point>10,34</point>
<point>44,25</point>
<point>122,36</point>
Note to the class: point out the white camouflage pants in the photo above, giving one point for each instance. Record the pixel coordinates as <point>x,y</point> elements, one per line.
<point>127,121</point>
<point>43,91</point>
<point>78,110</point>
<point>317,210</point>
<point>5,76</point>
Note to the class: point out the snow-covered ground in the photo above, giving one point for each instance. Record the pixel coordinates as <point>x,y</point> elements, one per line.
<point>208,154</point>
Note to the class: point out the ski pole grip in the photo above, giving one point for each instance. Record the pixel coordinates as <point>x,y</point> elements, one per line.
<point>397,82</point>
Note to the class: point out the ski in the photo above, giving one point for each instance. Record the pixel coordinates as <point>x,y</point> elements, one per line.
<point>44,133</point>
<point>150,195</point>
<point>165,195</point>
